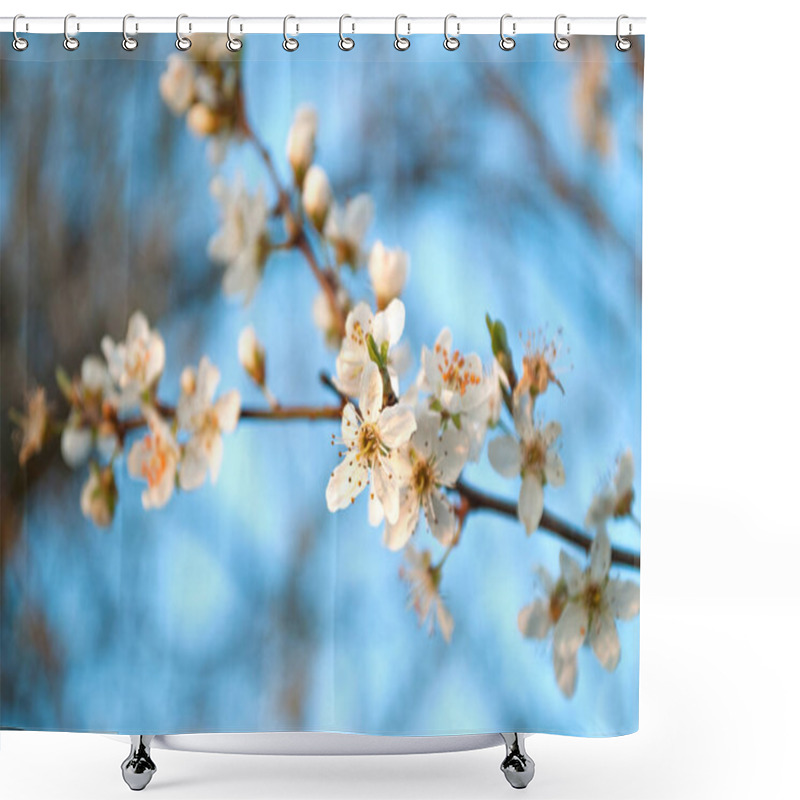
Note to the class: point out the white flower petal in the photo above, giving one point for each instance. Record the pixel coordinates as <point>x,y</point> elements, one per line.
<point>227,409</point>
<point>554,470</point>
<point>441,518</point>
<point>531,503</point>
<point>534,620</point>
<point>572,573</point>
<point>566,670</point>
<point>600,557</point>
<point>623,598</point>
<point>371,394</point>
<point>505,456</point>
<point>388,492</point>
<point>346,482</point>
<point>396,424</point>
<point>451,455</point>
<point>388,324</point>
<point>76,444</point>
<point>604,640</point>
<point>396,536</point>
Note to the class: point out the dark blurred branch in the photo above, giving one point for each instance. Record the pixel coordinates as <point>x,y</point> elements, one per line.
<point>554,176</point>
<point>477,500</point>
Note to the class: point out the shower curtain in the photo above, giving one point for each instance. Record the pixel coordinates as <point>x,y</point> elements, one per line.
<point>320,386</point>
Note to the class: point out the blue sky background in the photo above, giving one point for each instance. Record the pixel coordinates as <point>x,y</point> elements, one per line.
<point>246,606</point>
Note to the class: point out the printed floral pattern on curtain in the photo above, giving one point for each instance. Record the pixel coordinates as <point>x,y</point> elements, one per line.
<point>321,387</point>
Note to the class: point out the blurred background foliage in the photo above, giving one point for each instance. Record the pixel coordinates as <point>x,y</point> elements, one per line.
<point>514,181</point>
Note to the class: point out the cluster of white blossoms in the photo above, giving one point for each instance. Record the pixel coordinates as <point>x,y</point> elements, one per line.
<point>581,606</point>
<point>242,243</point>
<point>405,447</point>
<point>118,395</point>
<point>204,84</point>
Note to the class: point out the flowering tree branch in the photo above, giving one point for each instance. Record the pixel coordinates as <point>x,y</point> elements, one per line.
<point>478,500</point>
<point>407,451</point>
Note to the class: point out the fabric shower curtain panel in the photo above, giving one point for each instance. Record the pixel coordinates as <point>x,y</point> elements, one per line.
<point>320,384</point>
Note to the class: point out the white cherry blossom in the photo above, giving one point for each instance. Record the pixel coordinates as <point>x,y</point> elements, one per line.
<point>424,596</point>
<point>537,619</point>
<point>595,602</point>
<point>616,499</point>
<point>460,391</point>
<point>531,455</point>
<point>388,271</point>
<point>346,227</point>
<point>426,465</point>
<point>206,421</point>
<point>154,458</point>
<point>370,439</point>
<point>136,364</point>
<point>242,242</point>
<point>385,327</point>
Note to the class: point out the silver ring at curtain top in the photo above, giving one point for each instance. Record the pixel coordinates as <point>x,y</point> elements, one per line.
<point>401,42</point>
<point>233,44</point>
<point>182,42</point>
<point>622,44</point>
<point>451,42</point>
<point>70,42</point>
<point>507,42</point>
<point>345,42</point>
<point>289,44</point>
<point>128,42</point>
<point>561,43</point>
<point>18,43</point>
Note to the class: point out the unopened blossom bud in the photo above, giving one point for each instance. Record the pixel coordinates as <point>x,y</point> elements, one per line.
<point>252,356</point>
<point>188,381</point>
<point>99,496</point>
<point>202,121</point>
<point>317,196</point>
<point>301,142</point>
<point>388,270</point>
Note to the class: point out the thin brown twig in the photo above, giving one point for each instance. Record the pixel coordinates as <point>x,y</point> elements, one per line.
<point>325,278</point>
<point>478,500</point>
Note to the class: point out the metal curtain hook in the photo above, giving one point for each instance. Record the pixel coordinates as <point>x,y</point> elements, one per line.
<point>70,42</point>
<point>19,44</point>
<point>182,42</point>
<point>345,42</point>
<point>507,42</point>
<point>451,42</point>
<point>233,44</point>
<point>289,44</point>
<point>561,43</point>
<point>623,44</point>
<point>401,42</point>
<point>128,42</point>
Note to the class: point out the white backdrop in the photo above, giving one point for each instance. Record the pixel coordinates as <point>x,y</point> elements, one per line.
<point>721,536</point>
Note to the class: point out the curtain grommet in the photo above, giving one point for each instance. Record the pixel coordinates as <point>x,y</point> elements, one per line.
<point>623,44</point>
<point>507,42</point>
<point>129,43</point>
<point>18,43</point>
<point>182,42</point>
<point>451,43</point>
<point>70,43</point>
<point>289,43</point>
<point>561,43</point>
